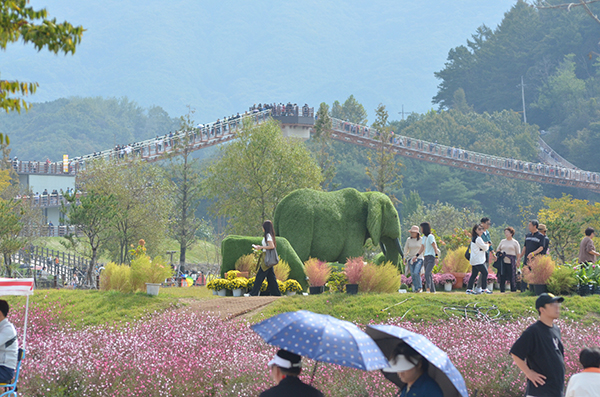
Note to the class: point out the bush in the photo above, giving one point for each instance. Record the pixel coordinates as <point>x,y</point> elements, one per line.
<point>292,286</point>
<point>238,283</point>
<point>383,278</point>
<point>247,263</point>
<point>455,261</point>
<point>337,281</point>
<point>282,270</point>
<point>353,269</point>
<point>562,281</point>
<point>116,277</point>
<point>317,271</point>
<point>538,270</point>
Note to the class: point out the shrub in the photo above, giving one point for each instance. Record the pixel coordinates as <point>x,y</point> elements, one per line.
<point>145,270</point>
<point>562,281</point>
<point>446,278</point>
<point>292,286</point>
<point>455,261</point>
<point>238,283</point>
<point>353,269</point>
<point>538,270</point>
<point>281,286</point>
<point>282,270</point>
<point>383,278</point>
<point>317,272</point>
<point>116,277</point>
<point>337,281</point>
<point>232,274</point>
<point>247,263</point>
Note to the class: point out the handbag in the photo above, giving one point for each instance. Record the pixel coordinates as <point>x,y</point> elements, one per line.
<point>271,258</point>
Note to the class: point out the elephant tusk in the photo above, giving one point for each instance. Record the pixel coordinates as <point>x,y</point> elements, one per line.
<point>400,250</point>
<point>383,248</point>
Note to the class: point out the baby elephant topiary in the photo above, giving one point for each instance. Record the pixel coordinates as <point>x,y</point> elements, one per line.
<point>334,226</point>
<point>234,247</point>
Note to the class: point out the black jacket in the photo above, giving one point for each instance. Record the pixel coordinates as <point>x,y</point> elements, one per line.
<point>291,386</point>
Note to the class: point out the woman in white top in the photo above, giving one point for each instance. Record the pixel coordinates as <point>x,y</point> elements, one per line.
<point>430,252</point>
<point>478,250</point>
<point>586,383</point>
<point>268,243</point>
<point>511,249</point>
<point>413,263</point>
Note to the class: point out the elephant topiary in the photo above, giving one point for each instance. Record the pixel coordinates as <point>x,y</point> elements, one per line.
<point>333,226</point>
<point>234,247</point>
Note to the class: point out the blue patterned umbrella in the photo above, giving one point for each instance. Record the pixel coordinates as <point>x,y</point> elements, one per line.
<point>322,338</point>
<point>441,369</point>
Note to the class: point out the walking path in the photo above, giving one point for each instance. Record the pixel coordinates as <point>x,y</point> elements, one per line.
<point>229,308</point>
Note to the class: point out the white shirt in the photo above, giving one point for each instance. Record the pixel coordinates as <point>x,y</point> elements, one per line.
<point>584,384</point>
<point>8,355</point>
<point>478,250</point>
<point>264,243</point>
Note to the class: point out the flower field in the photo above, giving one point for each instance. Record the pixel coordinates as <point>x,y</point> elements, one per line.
<point>185,353</point>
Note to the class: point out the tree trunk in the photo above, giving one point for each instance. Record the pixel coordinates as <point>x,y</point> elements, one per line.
<point>90,271</point>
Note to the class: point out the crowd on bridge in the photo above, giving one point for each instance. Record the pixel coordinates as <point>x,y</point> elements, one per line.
<point>283,110</point>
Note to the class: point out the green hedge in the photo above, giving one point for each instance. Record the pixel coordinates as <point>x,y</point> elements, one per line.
<point>234,247</point>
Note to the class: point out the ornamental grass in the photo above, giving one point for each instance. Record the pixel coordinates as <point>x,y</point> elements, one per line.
<point>317,272</point>
<point>455,261</point>
<point>383,278</point>
<point>353,269</point>
<point>539,269</point>
<point>282,270</point>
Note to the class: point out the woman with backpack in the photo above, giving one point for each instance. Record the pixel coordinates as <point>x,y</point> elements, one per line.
<point>477,259</point>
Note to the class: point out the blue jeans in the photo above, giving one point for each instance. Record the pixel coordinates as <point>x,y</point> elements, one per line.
<point>415,269</point>
<point>6,374</point>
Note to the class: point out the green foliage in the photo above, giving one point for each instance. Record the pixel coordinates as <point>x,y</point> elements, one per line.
<point>383,278</point>
<point>337,281</point>
<point>235,247</point>
<point>333,226</point>
<point>146,270</point>
<point>562,281</point>
<point>80,126</point>
<point>246,181</point>
<point>351,111</point>
<point>383,169</point>
<point>292,286</point>
<point>19,23</point>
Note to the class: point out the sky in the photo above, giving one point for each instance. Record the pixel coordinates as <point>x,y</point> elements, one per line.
<point>221,57</point>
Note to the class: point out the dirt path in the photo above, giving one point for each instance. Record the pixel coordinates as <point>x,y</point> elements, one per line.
<point>227,307</point>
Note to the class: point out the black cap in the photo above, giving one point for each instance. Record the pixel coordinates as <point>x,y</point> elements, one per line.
<point>286,359</point>
<point>545,298</point>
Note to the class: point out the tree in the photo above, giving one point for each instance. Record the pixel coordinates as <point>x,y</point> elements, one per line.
<point>252,174</point>
<point>383,169</point>
<point>93,217</point>
<point>19,23</point>
<point>142,194</point>
<point>322,137</point>
<point>351,111</point>
<point>186,180</point>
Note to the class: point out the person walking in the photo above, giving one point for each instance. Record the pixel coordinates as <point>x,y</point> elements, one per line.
<point>511,250</point>
<point>284,368</point>
<point>268,243</point>
<point>587,251</point>
<point>430,252</point>
<point>544,231</point>
<point>539,352</point>
<point>534,242</point>
<point>485,224</point>
<point>478,250</point>
<point>586,383</point>
<point>413,262</point>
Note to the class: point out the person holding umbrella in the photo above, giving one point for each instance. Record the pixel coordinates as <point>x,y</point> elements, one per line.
<point>411,368</point>
<point>285,368</point>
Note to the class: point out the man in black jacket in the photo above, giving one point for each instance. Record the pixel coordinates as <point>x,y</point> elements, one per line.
<point>285,368</point>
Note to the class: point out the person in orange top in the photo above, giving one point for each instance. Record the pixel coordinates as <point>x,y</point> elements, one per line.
<point>586,383</point>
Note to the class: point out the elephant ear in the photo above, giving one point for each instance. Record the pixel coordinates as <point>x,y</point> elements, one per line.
<point>374,218</point>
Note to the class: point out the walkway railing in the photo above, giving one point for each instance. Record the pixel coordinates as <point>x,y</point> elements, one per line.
<point>460,158</point>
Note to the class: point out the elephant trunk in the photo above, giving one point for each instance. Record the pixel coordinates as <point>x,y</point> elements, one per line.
<point>383,248</point>
<point>400,250</point>
<point>391,250</point>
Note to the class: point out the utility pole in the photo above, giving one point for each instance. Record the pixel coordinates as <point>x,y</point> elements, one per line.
<point>523,99</point>
<point>402,112</point>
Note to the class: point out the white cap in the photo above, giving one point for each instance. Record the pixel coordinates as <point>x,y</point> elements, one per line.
<point>399,364</point>
<point>283,363</point>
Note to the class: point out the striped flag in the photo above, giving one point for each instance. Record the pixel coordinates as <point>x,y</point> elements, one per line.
<point>16,286</point>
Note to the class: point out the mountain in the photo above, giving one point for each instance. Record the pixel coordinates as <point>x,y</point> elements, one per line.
<point>221,57</point>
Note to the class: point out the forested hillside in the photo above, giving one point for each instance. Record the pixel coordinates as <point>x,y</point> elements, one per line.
<point>556,52</point>
<point>78,126</point>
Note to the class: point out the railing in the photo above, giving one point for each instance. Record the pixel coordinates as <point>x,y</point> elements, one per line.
<point>46,262</point>
<point>44,167</point>
<point>46,200</point>
<point>469,157</point>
